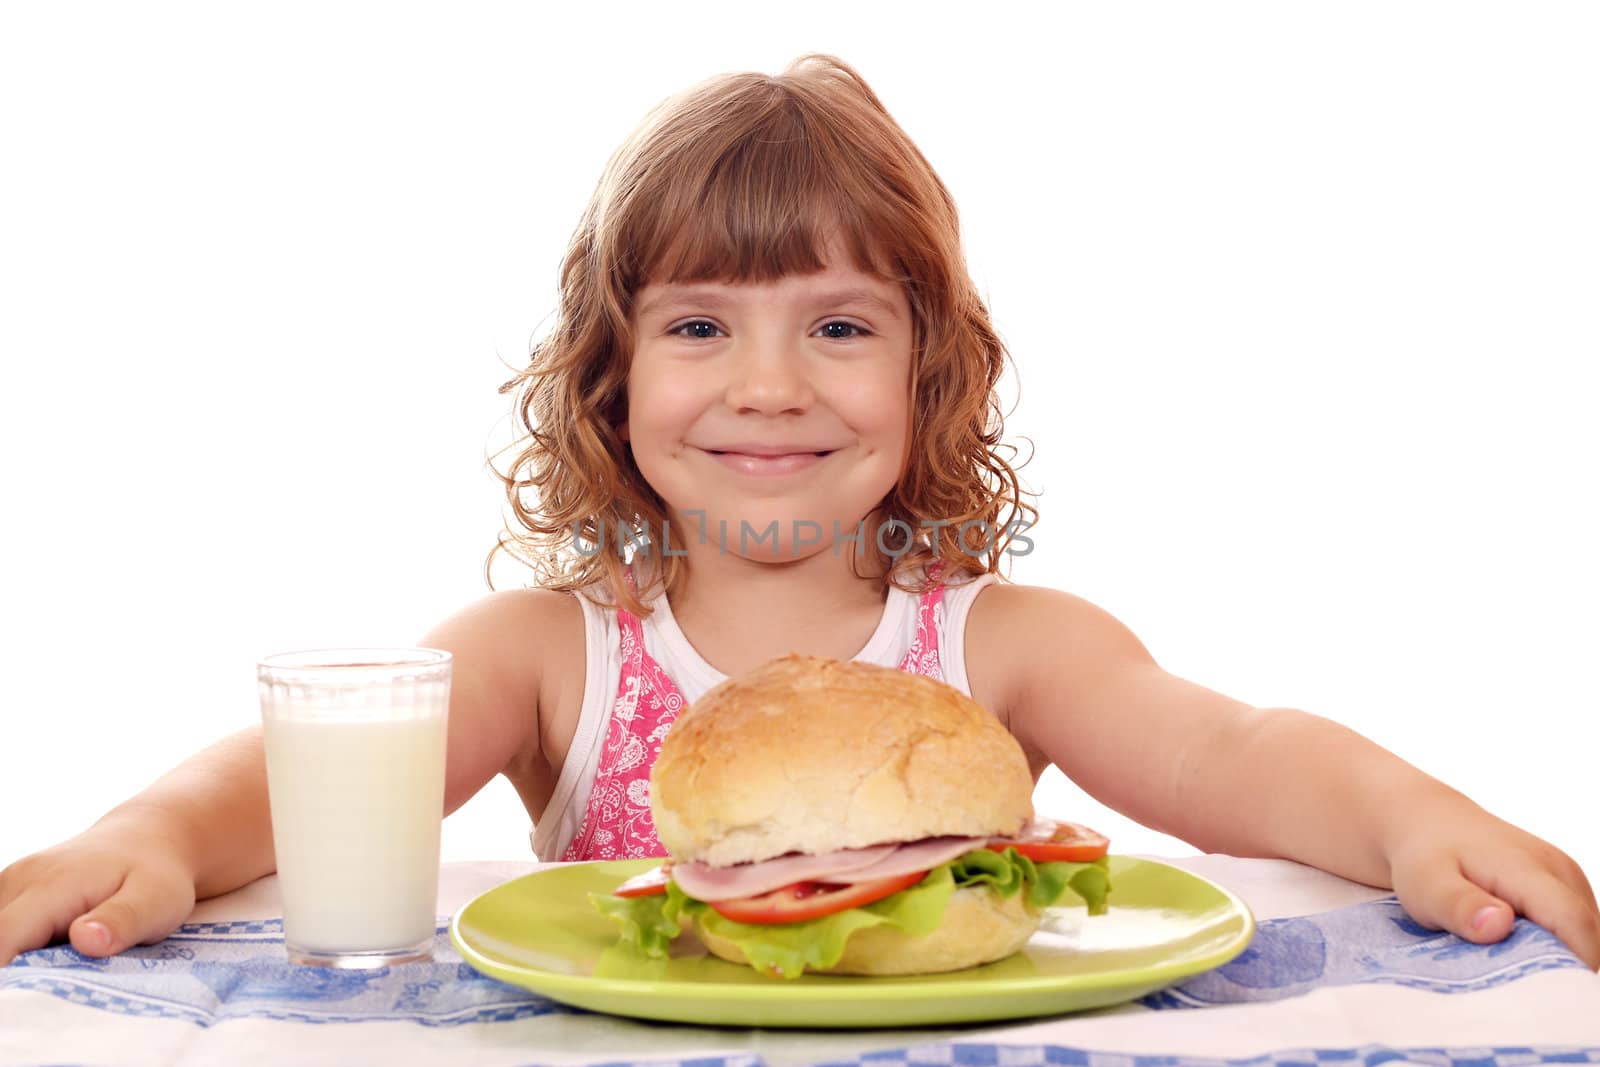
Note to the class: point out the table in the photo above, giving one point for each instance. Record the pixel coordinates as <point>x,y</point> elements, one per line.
<point>1336,975</point>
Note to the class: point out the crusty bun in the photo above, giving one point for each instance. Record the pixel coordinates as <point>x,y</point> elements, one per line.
<point>979,927</point>
<point>807,754</point>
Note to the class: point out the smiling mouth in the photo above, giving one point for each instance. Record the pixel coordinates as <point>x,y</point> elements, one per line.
<point>759,464</point>
<point>771,455</point>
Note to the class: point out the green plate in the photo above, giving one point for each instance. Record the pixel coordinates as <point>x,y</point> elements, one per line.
<point>541,932</point>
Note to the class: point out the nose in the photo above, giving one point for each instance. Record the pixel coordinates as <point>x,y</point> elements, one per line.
<point>769,378</point>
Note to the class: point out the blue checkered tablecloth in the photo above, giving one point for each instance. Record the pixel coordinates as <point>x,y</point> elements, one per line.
<point>1336,974</point>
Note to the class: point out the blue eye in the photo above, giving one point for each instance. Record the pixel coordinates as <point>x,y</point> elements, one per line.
<point>859,332</point>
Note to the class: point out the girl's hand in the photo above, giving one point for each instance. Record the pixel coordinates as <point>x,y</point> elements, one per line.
<point>1455,867</point>
<point>118,884</point>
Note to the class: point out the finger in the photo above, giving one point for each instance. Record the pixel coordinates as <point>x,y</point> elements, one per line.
<point>1438,895</point>
<point>142,911</point>
<point>1555,905</point>
<point>10,886</point>
<point>42,896</point>
<point>31,920</point>
<point>1566,868</point>
<point>16,878</point>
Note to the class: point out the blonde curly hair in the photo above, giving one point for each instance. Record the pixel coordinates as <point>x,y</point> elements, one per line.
<point>743,178</point>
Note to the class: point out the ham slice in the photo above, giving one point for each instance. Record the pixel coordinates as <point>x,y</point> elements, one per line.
<point>922,855</point>
<point>846,867</point>
<point>704,882</point>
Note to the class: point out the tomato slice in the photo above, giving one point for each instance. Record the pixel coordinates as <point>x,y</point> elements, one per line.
<point>1046,841</point>
<point>647,884</point>
<point>811,900</point>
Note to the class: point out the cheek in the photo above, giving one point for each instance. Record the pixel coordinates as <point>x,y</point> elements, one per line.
<point>659,404</point>
<point>879,410</point>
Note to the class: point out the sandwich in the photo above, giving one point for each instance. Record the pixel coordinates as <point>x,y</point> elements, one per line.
<point>845,818</point>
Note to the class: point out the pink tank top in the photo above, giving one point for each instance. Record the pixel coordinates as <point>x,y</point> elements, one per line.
<point>616,822</point>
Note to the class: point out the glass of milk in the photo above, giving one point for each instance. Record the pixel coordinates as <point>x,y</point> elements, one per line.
<point>355,741</point>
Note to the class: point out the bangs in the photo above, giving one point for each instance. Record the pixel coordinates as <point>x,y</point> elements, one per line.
<point>757,200</point>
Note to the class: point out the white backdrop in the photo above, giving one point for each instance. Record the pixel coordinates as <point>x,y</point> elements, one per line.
<point>1303,301</point>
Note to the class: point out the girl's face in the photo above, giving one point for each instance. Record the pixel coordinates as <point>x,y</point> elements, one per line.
<point>784,403</point>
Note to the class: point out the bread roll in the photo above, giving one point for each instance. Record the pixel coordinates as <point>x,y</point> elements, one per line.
<point>807,754</point>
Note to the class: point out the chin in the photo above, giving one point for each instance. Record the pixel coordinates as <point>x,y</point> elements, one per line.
<point>779,535</point>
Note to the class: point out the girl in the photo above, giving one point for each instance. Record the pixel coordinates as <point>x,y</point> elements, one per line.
<point>765,423</point>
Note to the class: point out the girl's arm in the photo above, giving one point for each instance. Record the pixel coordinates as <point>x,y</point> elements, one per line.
<point>205,828</point>
<point>1080,690</point>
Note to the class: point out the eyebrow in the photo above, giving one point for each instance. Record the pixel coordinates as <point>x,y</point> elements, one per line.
<point>712,298</point>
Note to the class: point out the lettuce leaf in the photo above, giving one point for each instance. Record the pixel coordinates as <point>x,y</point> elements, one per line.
<point>787,949</point>
<point>648,923</point>
<point>1046,883</point>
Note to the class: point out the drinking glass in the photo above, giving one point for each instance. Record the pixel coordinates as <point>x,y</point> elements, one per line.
<point>355,742</point>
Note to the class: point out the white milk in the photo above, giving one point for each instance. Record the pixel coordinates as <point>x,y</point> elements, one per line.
<point>356,807</point>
